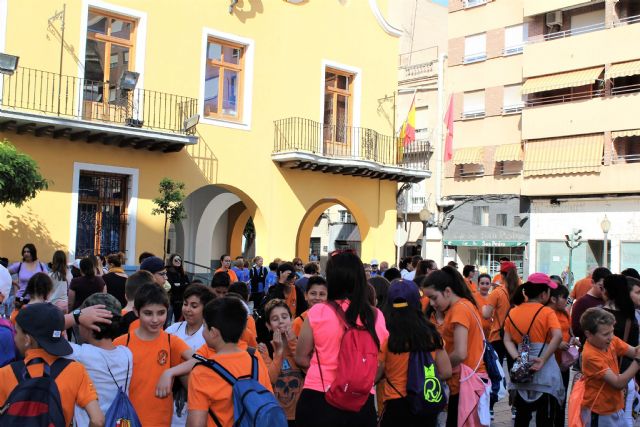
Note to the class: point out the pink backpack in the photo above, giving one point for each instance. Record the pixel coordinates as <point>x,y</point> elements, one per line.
<point>357,366</point>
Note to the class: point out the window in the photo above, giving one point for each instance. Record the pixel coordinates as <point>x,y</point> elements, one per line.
<point>102,213</point>
<point>627,149</point>
<point>501,220</point>
<point>110,40</point>
<point>338,101</point>
<point>629,255</point>
<point>475,48</point>
<point>506,168</point>
<point>481,215</point>
<point>516,221</point>
<point>345,217</point>
<point>512,101</point>
<point>473,104</point>
<point>473,3</point>
<point>514,39</point>
<point>223,80</point>
<point>586,22</point>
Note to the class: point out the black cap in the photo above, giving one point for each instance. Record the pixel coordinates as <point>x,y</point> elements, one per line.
<point>45,323</point>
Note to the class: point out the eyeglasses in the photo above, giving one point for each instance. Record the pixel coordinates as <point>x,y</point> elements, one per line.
<point>342,251</point>
<point>298,263</point>
<point>177,260</point>
<point>162,273</point>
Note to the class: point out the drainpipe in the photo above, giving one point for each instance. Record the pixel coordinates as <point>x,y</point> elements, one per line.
<point>440,136</point>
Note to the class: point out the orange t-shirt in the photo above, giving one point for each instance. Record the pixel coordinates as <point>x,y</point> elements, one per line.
<point>522,316</point>
<point>463,313</point>
<point>598,395</point>
<point>499,300</point>
<point>73,383</point>
<point>232,274</point>
<point>424,303</point>
<point>209,391</point>
<point>296,326</point>
<point>565,326</point>
<point>472,286</point>
<point>497,279</point>
<point>249,337</point>
<point>150,360</point>
<point>580,288</point>
<point>482,301</point>
<point>292,299</point>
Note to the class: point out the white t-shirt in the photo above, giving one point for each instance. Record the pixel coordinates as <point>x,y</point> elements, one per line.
<point>98,363</point>
<point>194,341</point>
<point>410,275</point>
<point>5,281</point>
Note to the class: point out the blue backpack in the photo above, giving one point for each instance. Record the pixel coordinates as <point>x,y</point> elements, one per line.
<point>253,405</point>
<point>35,402</point>
<point>121,412</point>
<point>495,372</point>
<point>8,350</point>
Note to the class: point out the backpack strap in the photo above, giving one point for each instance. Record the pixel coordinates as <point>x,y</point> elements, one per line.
<point>128,338</point>
<point>215,367</point>
<point>394,388</point>
<point>254,363</point>
<point>58,366</point>
<point>530,325</point>
<point>18,369</point>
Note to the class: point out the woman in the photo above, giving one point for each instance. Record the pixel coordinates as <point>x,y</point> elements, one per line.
<point>178,281</point>
<point>299,265</point>
<point>225,265</point>
<point>116,278</point>
<point>320,339</point>
<point>26,268</point>
<point>86,285</point>
<point>97,262</point>
<point>61,277</point>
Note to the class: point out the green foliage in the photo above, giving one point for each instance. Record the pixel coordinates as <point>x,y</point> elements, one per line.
<point>169,203</point>
<point>20,178</point>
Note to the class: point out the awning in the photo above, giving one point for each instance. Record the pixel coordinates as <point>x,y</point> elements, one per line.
<point>625,133</point>
<point>485,243</point>
<point>574,154</point>
<point>348,232</point>
<point>562,80</point>
<point>508,153</point>
<point>470,155</point>
<point>624,69</point>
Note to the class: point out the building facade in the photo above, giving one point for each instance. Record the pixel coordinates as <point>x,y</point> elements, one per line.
<point>257,108</point>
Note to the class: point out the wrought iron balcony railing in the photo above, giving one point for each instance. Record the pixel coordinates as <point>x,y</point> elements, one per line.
<point>349,142</point>
<point>43,92</point>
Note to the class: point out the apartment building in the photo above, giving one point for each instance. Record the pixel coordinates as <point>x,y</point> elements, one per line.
<point>261,111</point>
<point>546,136</point>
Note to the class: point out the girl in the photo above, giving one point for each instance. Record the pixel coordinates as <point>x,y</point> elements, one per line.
<point>86,285</point>
<point>116,278</point>
<point>482,298</point>
<point>316,292</point>
<point>409,331</point>
<point>179,282</point>
<point>26,268</point>
<point>38,289</point>
<point>286,377</point>
<point>61,277</point>
<point>462,331</point>
<point>545,391</point>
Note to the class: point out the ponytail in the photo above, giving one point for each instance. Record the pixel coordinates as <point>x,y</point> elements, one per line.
<point>449,277</point>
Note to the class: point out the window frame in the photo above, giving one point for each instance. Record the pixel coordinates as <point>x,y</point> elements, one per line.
<point>335,91</point>
<point>469,58</point>
<point>474,114</point>
<point>239,68</point>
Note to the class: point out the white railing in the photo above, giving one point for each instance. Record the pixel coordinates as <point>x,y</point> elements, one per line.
<point>473,114</point>
<point>512,109</point>
<point>513,50</point>
<point>474,57</point>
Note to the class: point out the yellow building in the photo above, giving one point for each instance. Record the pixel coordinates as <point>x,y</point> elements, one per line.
<point>283,91</point>
<point>546,140</point>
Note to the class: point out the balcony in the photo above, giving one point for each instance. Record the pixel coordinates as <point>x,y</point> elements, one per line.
<point>53,105</point>
<point>309,145</point>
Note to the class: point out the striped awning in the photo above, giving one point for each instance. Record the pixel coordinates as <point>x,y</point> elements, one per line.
<point>625,133</point>
<point>573,154</point>
<point>508,153</point>
<point>470,155</point>
<point>624,69</point>
<point>562,80</point>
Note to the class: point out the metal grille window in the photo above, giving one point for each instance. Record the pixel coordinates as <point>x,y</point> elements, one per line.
<point>501,220</point>
<point>102,213</point>
<point>345,217</point>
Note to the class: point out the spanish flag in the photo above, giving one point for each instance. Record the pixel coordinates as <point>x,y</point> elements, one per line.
<point>408,132</point>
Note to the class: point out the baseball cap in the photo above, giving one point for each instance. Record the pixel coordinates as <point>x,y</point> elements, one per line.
<point>542,279</point>
<point>153,264</point>
<point>403,293</point>
<point>45,323</point>
<point>374,262</point>
<point>506,266</point>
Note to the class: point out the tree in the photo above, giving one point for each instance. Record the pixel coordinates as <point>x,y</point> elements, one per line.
<point>20,178</point>
<point>169,204</point>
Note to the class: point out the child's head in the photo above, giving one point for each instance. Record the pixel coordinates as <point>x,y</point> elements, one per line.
<point>41,325</point>
<point>444,286</point>
<point>381,286</point>
<point>597,325</point>
<point>311,268</point>
<point>617,292</point>
<point>289,269</point>
<point>558,298</point>
<point>317,290</point>
<point>115,260</point>
<point>151,305</point>
<point>195,297</point>
<point>156,267</point>
<point>273,266</point>
<point>220,284</point>
<point>484,283</point>
<point>634,290</point>
<point>134,282</point>
<point>39,287</point>
<point>392,274</point>
<point>538,287</point>
<point>241,289</point>
<point>87,267</point>
<point>225,320</point>
<point>278,315</point>
<point>107,331</point>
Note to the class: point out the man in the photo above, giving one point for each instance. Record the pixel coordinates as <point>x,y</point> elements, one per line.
<point>310,269</point>
<point>384,266</point>
<point>156,267</point>
<point>414,263</point>
<point>593,298</point>
<point>469,274</point>
<point>582,286</point>
<point>374,267</point>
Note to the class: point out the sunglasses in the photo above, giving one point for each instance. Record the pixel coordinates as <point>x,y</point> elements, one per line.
<point>298,263</point>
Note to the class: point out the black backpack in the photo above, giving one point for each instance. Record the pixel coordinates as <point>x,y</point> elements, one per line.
<point>35,402</point>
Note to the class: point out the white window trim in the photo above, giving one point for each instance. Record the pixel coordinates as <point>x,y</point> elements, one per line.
<point>132,205</point>
<point>247,79</point>
<point>141,41</point>
<point>3,34</point>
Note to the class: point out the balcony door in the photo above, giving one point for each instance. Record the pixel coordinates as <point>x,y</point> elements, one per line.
<point>338,102</point>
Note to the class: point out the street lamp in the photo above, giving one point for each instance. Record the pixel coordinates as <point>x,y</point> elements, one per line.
<point>425,216</point>
<point>605,225</point>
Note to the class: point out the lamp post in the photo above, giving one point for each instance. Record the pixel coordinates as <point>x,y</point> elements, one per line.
<point>425,216</point>
<point>605,225</point>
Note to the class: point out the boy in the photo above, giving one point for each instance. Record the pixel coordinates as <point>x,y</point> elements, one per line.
<point>220,284</point>
<point>225,320</point>
<point>603,401</point>
<point>39,329</point>
<point>154,352</point>
<point>317,291</point>
<point>272,276</point>
<point>134,282</point>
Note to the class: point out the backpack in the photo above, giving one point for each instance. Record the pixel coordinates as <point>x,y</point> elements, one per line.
<point>494,371</point>
<point>425,392</point>
<point>121,412</point>
<point>253,405</point>
<point>35,402</point>
<point>8,349</point>
<point>521,371</point>
<point>357,366</point>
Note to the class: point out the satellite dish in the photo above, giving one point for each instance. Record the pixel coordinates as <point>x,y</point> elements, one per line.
<point>400,237</point>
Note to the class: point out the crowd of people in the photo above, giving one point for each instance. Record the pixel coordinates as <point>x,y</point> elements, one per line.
<point>288,344</point>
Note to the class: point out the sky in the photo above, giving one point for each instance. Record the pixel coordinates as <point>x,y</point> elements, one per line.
<point>442,2</point>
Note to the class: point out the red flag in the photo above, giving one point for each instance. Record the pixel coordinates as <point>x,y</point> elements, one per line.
<point>408,133</point>
<point>448,144</point>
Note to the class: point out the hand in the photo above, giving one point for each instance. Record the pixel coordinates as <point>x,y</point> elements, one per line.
<point>95,314</point>
<point>288,333</point>
<point>262,348</point>
<point>283,276</point>
<point>536,364</point>
<point>165,384</point>
<point>278,348</point>
<point>564,345</point>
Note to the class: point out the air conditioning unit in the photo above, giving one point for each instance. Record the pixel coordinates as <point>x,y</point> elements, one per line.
<point>553,18</point>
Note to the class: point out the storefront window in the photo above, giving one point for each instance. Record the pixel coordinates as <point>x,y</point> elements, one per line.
<point>630,255</point>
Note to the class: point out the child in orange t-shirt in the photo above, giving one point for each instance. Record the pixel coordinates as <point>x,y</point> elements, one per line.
<point>209,393</point>
<point>462,331</point>
<point>154,352</point>
<point>317,291</point>
<point>409,331</point>
<point>603,400</point>
<point>286,378</point>
<point>481,294</point>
